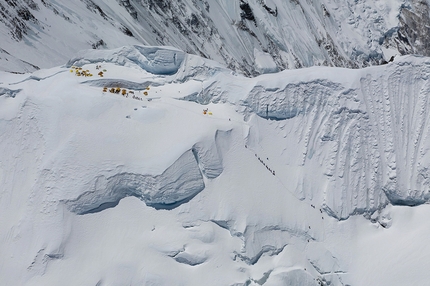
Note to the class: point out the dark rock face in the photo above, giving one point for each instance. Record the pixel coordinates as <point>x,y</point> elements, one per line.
<point>412,34</point>
<point>95,8</point>
<point>99,43</point>
<point>246,11</point>
<point>130,9</point>
<point>414,29</point>
<point>15,15</point>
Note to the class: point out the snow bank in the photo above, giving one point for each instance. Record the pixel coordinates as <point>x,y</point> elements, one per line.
<point>264,62</point>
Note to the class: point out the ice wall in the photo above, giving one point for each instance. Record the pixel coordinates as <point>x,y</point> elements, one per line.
<point>155,60</point>
<point>362,134</point>
<point>369,136</point>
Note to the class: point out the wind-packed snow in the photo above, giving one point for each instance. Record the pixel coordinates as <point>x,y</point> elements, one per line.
<point>196,175</point>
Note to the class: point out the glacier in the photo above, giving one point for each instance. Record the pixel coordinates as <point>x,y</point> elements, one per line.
<point>316,176</point>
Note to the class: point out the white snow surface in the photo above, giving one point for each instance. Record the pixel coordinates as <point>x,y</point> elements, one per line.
<point>264,62</point>
<point>318,176</point>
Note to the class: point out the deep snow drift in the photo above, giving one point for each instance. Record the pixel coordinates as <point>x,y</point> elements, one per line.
<point>149,166</point>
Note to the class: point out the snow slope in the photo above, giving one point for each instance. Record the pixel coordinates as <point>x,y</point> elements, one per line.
<point>302,177</point>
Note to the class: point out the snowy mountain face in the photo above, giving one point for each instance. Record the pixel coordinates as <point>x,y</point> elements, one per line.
<point>252,37</point>
<point>150,166</point>
<point>190,142</point>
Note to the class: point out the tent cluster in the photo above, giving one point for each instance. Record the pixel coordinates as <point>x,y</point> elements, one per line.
<point>124,92</point>
<point>80,72</point>
<point>206,111</point>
